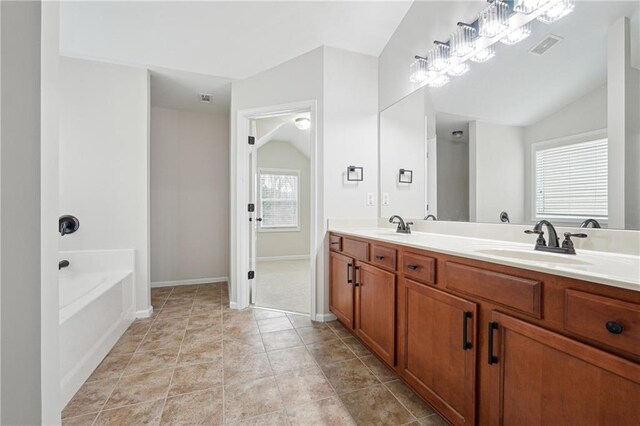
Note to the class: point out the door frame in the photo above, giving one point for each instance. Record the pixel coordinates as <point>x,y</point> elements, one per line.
<point>240,226</point>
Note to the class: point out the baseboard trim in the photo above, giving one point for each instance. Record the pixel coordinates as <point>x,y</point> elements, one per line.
<point>233,305</point>
<point>279,258</point>
<point>145,313</point>
<point>326,317</point>
<point>159,284</point>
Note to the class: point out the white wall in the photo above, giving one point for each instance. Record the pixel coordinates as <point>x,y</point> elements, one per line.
<point>20,214</point>
<point>344,86</point>
<point>189,195</point>
<point>282,155</point>
<point>496,173</point>
<point>104,160</point>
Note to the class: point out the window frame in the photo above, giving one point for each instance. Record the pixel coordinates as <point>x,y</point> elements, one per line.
<point>277,171</point>
<point>591,136</point>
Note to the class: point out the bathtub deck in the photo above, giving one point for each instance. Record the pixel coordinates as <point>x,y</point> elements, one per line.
<point>198,362</point>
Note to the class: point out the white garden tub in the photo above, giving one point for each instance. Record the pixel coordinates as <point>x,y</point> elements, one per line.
<point>96,307</point>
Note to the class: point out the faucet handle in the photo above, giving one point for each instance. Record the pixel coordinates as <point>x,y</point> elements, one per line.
<point>568,235</point>
<point>540,241</point>
<point>567,244</point>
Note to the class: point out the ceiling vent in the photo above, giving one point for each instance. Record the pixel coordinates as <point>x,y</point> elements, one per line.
<point>546,44</point>
<point>205,98</point>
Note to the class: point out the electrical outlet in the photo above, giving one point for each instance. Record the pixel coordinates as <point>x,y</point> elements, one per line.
<point>370,199</point>
<point>385,199</point>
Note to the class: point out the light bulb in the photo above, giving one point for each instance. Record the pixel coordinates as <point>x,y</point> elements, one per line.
<point>558,10</point>
<point>517,35</point>
<point>463,40</point>
<point>303,123</point>
<point>458,70</point>
<point>438,57</point>
<point>484,55</point>
<point>439,81</point>
<point>419,72</point>
<point>493,19</point>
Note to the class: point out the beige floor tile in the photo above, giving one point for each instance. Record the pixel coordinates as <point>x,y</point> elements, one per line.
<point>205,352</point>
<point>434,420</point>
<point>170,325</point>
<point>197,377</point>
<point>328,411</point>
<point>281,340</point>
<point>204,320</point>
<point>236,316</point>
<point>234,330</point>
<point>348,376</point>
<point>260,314</point>
<point>409,399</point>
<point>329,352</point>
<point>140,326</point>
<point>340,330</point>
<point>85,420</point>
<point>159,339</point>
<point>206,309</point>
<point>243,345</point>
<point>246,368</point>
<point>274,324</point>
<point>158,359</point>
<point>146,413</point>
<point>90,398</point>
<point>279,418</point>
<point>290,358</point>
<point>200,408</point>
<point>303,385</point>
<point>111,367</point>
<point>300,321</point>
<point>357,347</point>
<point>316,334</point>
<point>246,400</point>
<point>197,336</point>
<point>376,406</point>
<point>382,372</point>
<point>140,388</point>
<point>128,343</point>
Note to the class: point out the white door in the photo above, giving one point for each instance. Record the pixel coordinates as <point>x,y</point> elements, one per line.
<point>253,215</point>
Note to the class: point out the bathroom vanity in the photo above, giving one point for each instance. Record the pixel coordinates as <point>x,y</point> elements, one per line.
<point>486,342</point>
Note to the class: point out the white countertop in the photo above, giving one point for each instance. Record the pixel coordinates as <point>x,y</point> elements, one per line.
<point>617,270</point>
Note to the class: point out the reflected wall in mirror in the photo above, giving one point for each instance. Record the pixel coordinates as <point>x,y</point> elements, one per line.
<point>536,132</point>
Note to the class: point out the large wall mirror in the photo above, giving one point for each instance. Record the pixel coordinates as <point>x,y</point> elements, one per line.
<point>548,128</point>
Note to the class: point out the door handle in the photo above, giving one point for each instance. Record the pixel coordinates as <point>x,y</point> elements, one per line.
<point>259,219</point>
<point>465,317</point>
<point>355,276</point>
<point>492,359</point>
<point>349,280</point>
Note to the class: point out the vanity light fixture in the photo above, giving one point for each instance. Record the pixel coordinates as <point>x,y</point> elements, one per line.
<point>438,57</point>
<point>463,40</point>
<point>355,174</point>
<point>405,176</point>
<point>493,19</point>
<point>528,6</point>
<point>303,123</point>
<point>484,55</point>
<point>459,69</point>
<point>557,10</point>
<point>517,35</point>
<point>438,81</point>
<point>419,71</point>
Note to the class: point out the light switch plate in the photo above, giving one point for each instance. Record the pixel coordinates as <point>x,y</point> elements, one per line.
<point>370,199</point>
<point>385,199</point>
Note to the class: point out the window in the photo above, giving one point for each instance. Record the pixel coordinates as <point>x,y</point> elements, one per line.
<point>571,181</point>
<point>279,196</point>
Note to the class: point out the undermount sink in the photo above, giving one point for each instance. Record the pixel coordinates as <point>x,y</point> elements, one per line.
<point>535,256</point>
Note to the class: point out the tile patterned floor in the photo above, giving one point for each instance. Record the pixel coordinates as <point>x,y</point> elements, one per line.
<point>198,362</point>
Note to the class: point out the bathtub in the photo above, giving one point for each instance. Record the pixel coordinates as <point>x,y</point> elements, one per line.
<point>97,305</point>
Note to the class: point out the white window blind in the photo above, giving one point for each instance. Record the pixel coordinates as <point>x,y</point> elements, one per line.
<point>572,180</point>
<point>279,199</point>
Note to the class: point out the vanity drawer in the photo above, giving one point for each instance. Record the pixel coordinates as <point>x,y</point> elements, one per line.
<point>419,267</point>
<point>517,293</point>
<point>611,321</point>
<point>384,257</point>
<point>357,249</point>
<point>335,242</point>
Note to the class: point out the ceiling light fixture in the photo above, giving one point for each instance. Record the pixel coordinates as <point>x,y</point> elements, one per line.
<point>516,35</point>
<point>303,123</point>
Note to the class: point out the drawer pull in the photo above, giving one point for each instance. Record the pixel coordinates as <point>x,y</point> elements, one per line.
<point>492,359</point>
<point>412,267</point>
<point>465,343</point>
<point>614,327</point>
<point>355,275</point>
<point>379,257</point>
<point>335,242</point>
<point>349,280</point>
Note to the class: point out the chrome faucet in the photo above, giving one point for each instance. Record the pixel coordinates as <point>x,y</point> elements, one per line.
<point>403,227</point>
<point>554,243</point>
<point>594,223</point>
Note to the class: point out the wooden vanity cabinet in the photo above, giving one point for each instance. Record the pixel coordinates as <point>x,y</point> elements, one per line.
<point>539,377</point>
<point>341,294</point>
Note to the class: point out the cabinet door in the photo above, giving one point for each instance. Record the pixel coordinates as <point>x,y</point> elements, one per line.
<point>439,349</point>
<point>542,378</point>
<point>376,310</point>
<point>341,288</point>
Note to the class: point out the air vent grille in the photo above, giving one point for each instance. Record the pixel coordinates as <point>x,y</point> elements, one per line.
<point>547,43</point>
<point>205,98</point>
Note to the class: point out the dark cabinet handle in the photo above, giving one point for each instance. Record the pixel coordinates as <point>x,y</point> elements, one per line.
<point>355,276</point>
<point>614,327</point>
<point>412,267</point>
<point>492,359</point>
<point>465,343</point>
<point>349,280</point>
<point>379,257</point>
<point>335,242</point>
